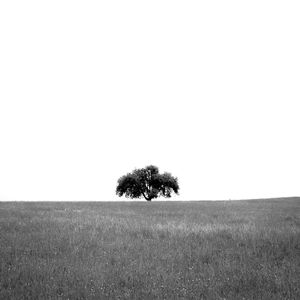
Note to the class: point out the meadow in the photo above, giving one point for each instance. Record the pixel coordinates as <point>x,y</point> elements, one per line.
<point>158,250</point>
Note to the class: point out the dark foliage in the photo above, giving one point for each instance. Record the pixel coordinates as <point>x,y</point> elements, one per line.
<point>147,182</point>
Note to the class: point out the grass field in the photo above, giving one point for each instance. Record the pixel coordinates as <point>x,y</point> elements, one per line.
<point>158,250</point>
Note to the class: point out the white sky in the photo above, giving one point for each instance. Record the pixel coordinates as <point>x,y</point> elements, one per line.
<point>207,90</point>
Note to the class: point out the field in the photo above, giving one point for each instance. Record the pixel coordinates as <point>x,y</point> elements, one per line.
<point>158,250</point>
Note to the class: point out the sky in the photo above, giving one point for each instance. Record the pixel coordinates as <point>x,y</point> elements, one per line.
<point>206,90</point>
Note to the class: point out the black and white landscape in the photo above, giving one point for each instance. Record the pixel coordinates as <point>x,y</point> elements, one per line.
<point>132,134</point>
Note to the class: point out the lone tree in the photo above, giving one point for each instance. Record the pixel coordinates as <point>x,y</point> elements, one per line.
<point>147,182</point>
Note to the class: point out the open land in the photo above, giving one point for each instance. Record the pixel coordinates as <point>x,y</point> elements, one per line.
<point>158,250</point>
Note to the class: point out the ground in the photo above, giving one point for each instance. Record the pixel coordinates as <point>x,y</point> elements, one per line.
<point>157,250</point>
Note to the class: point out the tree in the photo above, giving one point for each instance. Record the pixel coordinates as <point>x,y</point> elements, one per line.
<point>147,182</point>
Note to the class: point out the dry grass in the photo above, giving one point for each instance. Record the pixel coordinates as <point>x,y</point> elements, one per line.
<point>162,250</point>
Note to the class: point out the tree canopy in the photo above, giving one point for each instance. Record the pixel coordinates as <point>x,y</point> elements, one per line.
<point>148,183</point>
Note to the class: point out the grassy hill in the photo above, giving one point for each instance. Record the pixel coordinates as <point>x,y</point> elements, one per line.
<point>158,250</point>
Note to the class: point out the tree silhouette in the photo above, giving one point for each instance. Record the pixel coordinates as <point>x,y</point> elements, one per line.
<point>147,182</point>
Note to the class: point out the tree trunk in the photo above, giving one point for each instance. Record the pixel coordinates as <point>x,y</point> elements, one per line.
<point>147,198</point>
